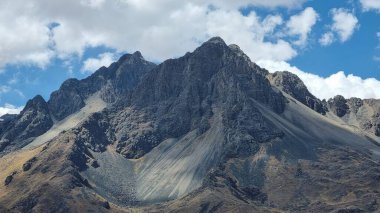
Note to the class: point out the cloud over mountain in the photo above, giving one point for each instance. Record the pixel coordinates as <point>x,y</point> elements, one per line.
<point>338,83</point>
<point>10,109</point>
<point>92,64</point>
<point>41,30</point>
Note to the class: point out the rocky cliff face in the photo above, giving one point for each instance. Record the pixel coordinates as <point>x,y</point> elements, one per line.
<point>293,85</point>
<point>364,114</point>
<point>112,82</point>
<point>33,121</point>
<point>206,132</point>
<point>181,95</point>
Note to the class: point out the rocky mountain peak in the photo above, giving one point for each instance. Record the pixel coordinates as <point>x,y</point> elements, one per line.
<point>236,49</point>
<point>112,82</point>
<point>128,58</point>
<point>216,40</point>
<point>36,103</point>
<point>33,121</point>
<point>293,85</point>
<point>362,113</point>
<point>138,54</point>
<point>182,95</point>
<point>338,105</point>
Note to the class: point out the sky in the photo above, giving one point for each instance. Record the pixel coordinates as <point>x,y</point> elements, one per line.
<point>333,46</point>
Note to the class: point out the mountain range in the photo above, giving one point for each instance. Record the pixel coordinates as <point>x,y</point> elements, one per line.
<point>210,131</point>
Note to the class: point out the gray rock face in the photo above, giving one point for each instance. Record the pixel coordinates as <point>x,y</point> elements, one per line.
<point>293,85</point>
<point>8,180</point>
<point>338,105</point>
<point>113,82</point>
<point>67,100</point>
<point>364,114</point>
<point>5,120</point>
<point>180,95</point>
<point>33,121</point>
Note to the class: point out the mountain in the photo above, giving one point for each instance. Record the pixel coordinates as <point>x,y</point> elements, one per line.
<point>293,85</point>
<point>33,120</point>
<point>207,132</point>
<point>362,114</point>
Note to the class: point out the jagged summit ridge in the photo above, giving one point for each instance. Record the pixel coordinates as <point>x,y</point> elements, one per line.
<point>363,114</point>
<point>32,121</point>
<point>293,85</point>
<point>216,40</point>
<point>181,93</point>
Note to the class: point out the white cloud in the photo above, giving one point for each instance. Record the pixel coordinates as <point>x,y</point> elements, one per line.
<point>343,27</point>
<point>92,64</point>
<point>5,89</point>
<point>164,29</point>
<point>10,109</point>
<point>327,39</point>
<point>336,84</point>
<point>25,38</point>
<point>301,25</point>
<point>252,32</point>
<point>344,23</point>
<point>130,25</point>
<point>258,3</point>
<point>370,4</point>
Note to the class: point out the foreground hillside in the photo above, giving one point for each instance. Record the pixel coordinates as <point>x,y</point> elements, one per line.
<point>207,132</point>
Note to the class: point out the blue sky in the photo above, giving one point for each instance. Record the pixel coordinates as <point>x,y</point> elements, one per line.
<point>354,56</point>
<point>45,42</point>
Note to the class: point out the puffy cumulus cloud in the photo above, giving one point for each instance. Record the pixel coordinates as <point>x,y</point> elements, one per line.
<point>335,84</point>
<point>344,23</point>
<point>251,35</point>
<point>92,64</point>
<point>10,109</point>
<point>327,39</point>
<point>230,4</point>
<point>343,27</point>
<point>160,29</point>
<point>301,25</point>
<point>370,4</point>
<point>25,38</point>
